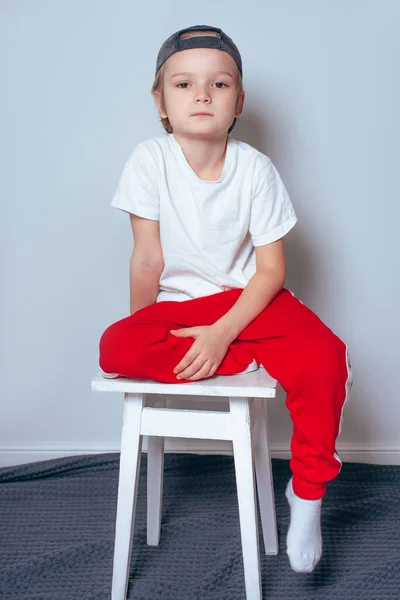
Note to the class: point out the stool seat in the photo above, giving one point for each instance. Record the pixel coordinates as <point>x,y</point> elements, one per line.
<point>245,424</point>
<point>257,384</point>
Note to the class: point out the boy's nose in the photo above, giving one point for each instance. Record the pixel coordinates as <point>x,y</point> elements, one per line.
<point>203,95</point>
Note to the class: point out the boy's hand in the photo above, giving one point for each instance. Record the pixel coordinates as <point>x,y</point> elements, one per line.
<point>205,355</point>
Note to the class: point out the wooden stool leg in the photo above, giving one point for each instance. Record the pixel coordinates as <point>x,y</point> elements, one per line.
<point>265,485</point>
<point>129,468</point>
<point>246,491</point>
<point>155,478</point>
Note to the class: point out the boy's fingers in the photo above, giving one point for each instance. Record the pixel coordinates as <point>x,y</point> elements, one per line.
<point>186,361</point>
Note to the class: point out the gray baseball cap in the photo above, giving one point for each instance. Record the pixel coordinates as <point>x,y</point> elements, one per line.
<point>223,42</point>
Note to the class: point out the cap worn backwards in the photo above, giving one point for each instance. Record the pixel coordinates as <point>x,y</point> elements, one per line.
<point>174,44</point>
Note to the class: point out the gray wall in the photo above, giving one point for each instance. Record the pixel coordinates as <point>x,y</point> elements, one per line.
<point>322,101</point>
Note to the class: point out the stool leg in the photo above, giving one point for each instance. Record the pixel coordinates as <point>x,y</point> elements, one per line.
<point>265,486</point>
<point>155,477</point>
<point>129,468</point>
<point>246,491</point>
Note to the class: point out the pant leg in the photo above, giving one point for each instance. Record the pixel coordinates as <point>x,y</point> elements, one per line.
<point>312,365</point>
<point>287,338</point>
<point>141,347</point>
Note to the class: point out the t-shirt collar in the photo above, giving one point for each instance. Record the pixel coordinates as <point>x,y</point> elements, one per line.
<point>188,169</point>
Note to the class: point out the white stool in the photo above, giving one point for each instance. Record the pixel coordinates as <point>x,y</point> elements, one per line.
<point>245,424</point>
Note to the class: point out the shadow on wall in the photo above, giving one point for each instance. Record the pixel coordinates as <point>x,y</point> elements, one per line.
<point>271,136</point>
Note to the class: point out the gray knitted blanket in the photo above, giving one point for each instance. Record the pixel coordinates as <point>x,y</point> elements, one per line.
<point>57,522</point>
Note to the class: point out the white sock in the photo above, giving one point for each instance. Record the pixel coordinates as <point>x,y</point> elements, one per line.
<point>304,539</point>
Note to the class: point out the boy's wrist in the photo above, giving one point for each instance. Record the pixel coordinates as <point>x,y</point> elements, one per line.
<point>225,329</point>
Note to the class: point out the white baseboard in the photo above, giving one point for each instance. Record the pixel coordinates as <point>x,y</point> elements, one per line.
<point>19,454</point>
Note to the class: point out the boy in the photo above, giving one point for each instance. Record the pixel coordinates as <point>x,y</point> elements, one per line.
<point>208,215</point>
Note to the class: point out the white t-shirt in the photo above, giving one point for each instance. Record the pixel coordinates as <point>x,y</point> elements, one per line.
<point>208,229</point>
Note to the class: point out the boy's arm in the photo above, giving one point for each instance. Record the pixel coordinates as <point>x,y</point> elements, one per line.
<point>146,263</point>
<point>144,283</point>
<point>260,290</point>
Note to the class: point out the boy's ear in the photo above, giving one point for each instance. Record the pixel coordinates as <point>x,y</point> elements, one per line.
<point>157,99</point>
<point>240,109</point>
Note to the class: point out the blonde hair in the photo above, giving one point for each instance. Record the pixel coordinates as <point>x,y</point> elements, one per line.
<point>158,85</point>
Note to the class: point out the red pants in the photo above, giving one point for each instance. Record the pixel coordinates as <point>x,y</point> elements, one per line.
<point>310,362</point>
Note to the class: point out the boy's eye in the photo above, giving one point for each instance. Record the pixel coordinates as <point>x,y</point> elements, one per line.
<point>185,83</point>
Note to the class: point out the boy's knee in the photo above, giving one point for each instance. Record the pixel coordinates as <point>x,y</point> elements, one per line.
<point>118,341</point>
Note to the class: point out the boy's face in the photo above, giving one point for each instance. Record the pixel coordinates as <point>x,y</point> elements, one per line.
<point>209,83</point>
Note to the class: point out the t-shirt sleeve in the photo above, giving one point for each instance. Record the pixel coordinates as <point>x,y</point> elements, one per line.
<point>137,191</point>
<point>272,214</point>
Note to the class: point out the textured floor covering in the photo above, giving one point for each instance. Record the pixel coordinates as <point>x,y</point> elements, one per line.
<point>57,523</point>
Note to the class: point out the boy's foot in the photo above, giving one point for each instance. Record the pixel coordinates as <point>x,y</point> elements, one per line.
<point>109,375</point>
<point>304,539</point>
